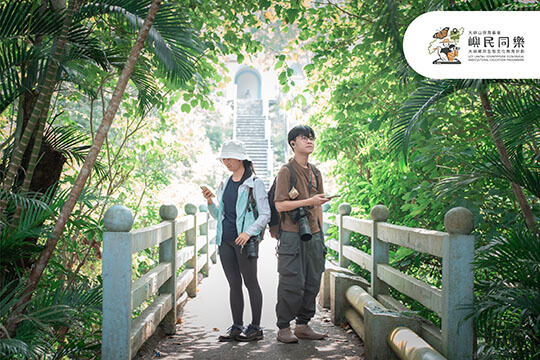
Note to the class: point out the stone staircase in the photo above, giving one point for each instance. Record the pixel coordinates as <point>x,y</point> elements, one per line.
<point>250,129</point>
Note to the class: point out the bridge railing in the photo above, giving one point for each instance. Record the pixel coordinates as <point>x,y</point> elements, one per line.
<point>122,336</point>
<point>455,338</point>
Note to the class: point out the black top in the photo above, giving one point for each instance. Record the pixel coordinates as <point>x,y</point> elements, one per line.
<point>230,194</point>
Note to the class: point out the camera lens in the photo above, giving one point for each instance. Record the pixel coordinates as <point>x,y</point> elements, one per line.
<point>303,225</point>
<point>252,248</point>
<point>300,216</point>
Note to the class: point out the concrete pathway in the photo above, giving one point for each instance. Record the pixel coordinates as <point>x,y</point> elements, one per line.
<point>208,315</point>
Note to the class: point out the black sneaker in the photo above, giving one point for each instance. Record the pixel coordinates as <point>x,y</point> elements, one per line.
<point>251,333</point>
<point>232,333</point>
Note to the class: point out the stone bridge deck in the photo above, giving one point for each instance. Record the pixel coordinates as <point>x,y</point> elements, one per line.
<point>208,315</point>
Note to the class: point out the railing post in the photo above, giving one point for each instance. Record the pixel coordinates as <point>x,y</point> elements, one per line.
<point>325,226</point>
<point>344,210</point>
<point>167,253</point>
<point>379,251</point>
<point>116,272</point>
<point>204,231</point>
<point>457,285</point>
<point>191,239</point>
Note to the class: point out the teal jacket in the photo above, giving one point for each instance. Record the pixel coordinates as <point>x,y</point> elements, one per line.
<point>245,220</point>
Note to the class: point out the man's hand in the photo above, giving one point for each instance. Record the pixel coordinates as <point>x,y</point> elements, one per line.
<point>318,200</point>
<point>242,239</point>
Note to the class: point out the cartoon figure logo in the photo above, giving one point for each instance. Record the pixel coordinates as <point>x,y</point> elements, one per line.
<point>445,44</point>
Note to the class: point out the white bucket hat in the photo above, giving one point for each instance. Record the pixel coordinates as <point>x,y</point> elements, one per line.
<point>234,149</point>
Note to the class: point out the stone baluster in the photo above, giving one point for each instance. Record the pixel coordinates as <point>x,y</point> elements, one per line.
<point>167,253</point>
<point>457,284</point>
<point>344,210</point>
<point>116,270</point>
<point>191,239</point>
<point>379,251</point>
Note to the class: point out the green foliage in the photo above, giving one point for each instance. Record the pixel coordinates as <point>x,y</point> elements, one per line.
<point>47,313</point>
<point>507,310</point>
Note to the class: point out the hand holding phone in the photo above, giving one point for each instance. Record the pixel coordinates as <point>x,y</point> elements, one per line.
<point>206,192</point>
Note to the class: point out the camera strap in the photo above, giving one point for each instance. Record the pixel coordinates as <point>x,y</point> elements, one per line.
<point>252,203</point>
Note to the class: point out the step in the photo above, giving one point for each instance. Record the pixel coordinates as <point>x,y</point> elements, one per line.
<point>257,147</point>
<point>254,142</point>
<point>248,130</point>
<point>250,126</point>
<point>249,118</point>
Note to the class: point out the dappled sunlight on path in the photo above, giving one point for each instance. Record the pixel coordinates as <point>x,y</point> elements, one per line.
<point>208,315</point>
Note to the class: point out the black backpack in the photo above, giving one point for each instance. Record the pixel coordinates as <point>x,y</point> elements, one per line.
<point>275,219</point>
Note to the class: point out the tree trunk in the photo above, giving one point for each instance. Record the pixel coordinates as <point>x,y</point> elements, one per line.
<point>42,104</point>
<point>501,149</point>
<point>114,103</point>
<point>32,162</point>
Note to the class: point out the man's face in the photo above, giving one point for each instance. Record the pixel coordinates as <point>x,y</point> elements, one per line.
<point>304,144</point>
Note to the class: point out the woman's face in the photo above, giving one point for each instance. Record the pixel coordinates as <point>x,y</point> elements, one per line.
<point>232,164</point>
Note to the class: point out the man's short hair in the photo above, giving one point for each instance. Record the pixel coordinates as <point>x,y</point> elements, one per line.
<point>299,131</point>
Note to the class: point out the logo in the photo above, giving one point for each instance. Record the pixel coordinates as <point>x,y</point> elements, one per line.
<point>445,45</point>
<point>483,44</point>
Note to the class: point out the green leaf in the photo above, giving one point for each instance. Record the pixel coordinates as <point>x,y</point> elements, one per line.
<point>185,108</point>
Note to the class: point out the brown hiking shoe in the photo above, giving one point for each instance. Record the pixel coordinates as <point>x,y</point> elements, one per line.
<point>305,332</point>
<point>286,336</point>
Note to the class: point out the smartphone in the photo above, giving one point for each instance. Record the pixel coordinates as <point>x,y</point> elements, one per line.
<point>204,188</point>
<point>333,196</point>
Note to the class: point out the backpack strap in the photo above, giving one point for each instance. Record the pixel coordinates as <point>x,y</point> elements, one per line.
<point>292,172</point>
<point>292,183</point>
<point>315,171</point>
<point>293,178</point>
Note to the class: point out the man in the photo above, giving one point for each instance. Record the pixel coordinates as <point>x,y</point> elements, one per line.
<point>300,261</point>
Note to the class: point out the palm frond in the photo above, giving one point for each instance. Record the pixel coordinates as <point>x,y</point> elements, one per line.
<point>171,37</point>
<point>454,184</point>
<point>13,54</point>
<point>494,5</point>
<point>388,20</point>
<point>148,91</point>
<point>80,297</point>
<point>68,141</point>
<point>85,46</point>
<point>51,307</point>
<point>31,225</point>
<point>428,93</point>
<point>25,18</point>
<point>28,200</point>
<point>517,117</point>
<point>10,348</point>
<point>76,73</point>
<point>524,172</point>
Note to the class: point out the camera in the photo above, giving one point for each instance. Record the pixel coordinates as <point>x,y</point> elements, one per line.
<point>300,216</point>
<point>251,248</point>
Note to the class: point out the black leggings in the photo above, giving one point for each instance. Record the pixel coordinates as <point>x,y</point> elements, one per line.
<point>237,266</point>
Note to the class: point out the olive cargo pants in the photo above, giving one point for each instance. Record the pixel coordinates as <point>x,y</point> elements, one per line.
<point>300,266</point>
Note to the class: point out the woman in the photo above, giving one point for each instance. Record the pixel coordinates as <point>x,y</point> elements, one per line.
<point>236,224</point>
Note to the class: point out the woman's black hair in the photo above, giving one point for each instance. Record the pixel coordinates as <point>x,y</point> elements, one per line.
<point>298,131</point>
<point>248,170</point>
